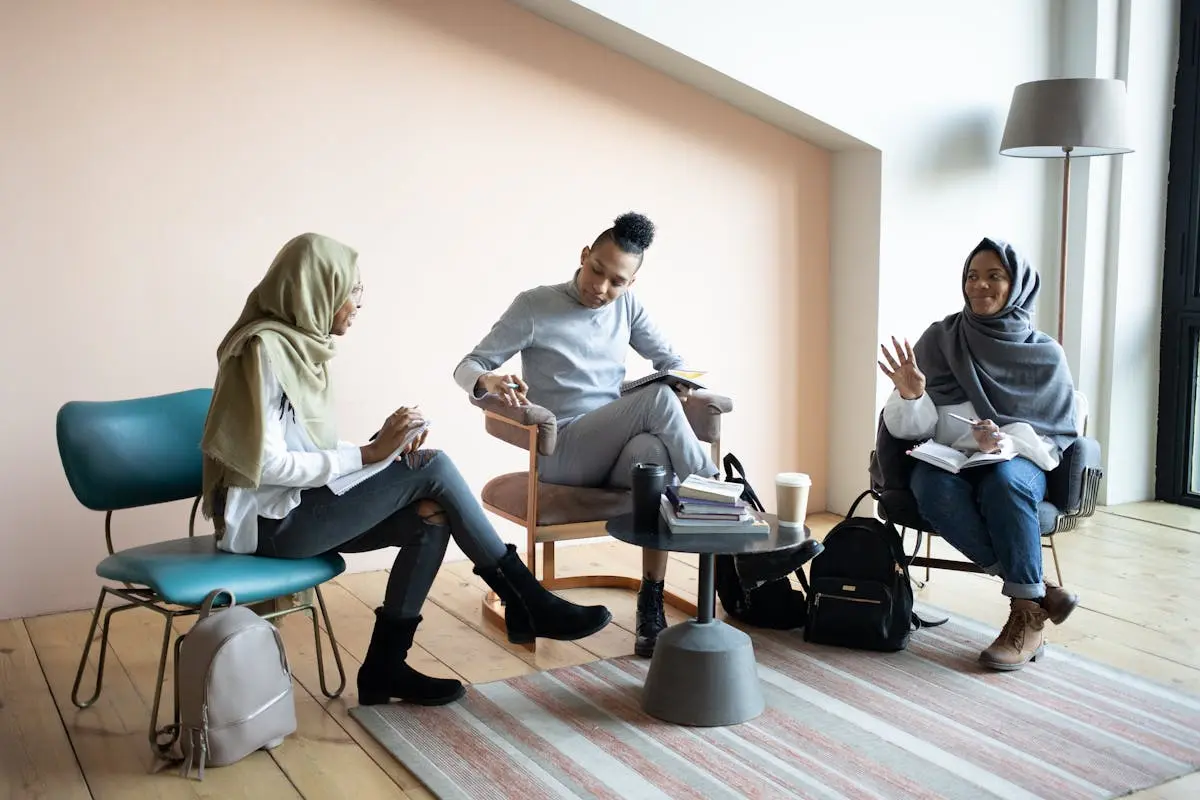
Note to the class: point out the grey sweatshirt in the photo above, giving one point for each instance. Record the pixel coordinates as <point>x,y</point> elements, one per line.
<point>572,356</point>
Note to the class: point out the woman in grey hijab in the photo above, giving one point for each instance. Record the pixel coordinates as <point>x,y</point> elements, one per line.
<point>988,364</point>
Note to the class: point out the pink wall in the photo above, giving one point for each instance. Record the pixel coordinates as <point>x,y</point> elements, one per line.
<point>154,156</point>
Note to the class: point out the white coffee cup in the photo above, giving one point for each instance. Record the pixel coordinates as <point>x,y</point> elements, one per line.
<point>791,498</point>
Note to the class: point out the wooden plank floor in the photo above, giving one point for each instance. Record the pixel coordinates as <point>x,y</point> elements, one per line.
<point>1135,568</point>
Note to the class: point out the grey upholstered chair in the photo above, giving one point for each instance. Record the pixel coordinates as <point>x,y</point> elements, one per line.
<point>1071,491</point>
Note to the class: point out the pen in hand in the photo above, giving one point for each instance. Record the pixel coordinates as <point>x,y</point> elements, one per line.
<point>974,423</point>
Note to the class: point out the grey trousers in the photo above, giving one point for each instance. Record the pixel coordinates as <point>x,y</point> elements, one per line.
<point>382,512</point>
<point>601,447</point>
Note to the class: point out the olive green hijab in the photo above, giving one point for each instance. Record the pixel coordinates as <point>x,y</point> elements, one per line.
<point>290,313</point>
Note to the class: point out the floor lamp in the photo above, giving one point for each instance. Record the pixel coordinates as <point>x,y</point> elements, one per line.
<point>1066,118</point>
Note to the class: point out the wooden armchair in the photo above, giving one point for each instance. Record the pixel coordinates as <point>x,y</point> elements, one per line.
<point>552,513</point>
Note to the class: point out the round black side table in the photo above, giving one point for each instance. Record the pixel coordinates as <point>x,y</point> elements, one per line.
<point>703,671</point>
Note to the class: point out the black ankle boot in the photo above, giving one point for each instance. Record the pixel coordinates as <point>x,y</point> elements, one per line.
<point>384,674</point>
<point>651,620</point>
<point>531,610</point>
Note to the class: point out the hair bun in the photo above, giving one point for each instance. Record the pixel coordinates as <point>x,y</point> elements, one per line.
<point>633,232</point>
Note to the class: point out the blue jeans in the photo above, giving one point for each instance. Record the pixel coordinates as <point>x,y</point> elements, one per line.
<point>989,514</point>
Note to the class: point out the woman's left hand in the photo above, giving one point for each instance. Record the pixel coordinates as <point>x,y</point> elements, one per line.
<point>987,436</point>
<point>415,445</point>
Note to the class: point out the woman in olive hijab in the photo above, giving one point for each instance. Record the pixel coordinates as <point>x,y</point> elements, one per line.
<point>271,450</point>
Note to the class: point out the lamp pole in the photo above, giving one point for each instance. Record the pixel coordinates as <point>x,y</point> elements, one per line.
<point>1062,244</point>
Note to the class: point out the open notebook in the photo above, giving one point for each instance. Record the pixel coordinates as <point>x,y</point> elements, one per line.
<point>345,483</point>
<point>951,460</point>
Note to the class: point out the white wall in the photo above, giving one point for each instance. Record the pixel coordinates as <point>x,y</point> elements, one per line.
<point>930,90</point>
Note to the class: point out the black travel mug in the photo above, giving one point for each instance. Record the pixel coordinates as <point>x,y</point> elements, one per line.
<point>648,482</point>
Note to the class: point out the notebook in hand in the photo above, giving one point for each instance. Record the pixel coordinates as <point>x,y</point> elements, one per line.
<point>673,377</point>
<point>344,483</point>
<point>951,460</point>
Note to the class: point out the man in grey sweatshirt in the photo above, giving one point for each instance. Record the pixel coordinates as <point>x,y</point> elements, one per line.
<point>573,338</point>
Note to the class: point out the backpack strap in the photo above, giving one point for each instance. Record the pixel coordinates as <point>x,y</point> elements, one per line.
<point>803,581</point>
<point>731,465</point>
<point>861,497</point>
<point>897,551</point>
<point>918,623</point>
<point>916,550</point>
<point>210,598</point>
<point>902,558</point>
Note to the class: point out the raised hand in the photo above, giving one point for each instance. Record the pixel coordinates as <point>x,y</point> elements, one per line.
<point>902,370</point>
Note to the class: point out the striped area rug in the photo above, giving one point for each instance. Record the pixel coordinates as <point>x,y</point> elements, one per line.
<point>924,723</point>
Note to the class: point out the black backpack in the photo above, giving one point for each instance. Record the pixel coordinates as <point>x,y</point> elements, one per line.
<point>754,587</point>
<point>859,593</point>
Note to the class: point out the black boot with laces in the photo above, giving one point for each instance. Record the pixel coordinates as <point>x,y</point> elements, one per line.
<point>651,620</point>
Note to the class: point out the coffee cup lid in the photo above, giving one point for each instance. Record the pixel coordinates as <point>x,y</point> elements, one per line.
<point>793,479</point>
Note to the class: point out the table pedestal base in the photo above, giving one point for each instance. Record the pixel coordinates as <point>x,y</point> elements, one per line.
<point>704,674</point>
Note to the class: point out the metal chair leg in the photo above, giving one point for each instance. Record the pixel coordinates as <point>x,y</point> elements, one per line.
<point>928,554</point>
<point>337,656</point>
<point>172,731</point>
<point>163,749</point>
<point>87,648</point>
<point>1057,567</point>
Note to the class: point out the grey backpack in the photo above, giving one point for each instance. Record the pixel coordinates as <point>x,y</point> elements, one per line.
<point>234,684</point>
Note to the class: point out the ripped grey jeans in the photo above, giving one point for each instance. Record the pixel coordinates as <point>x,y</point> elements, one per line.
<point>383,512</point>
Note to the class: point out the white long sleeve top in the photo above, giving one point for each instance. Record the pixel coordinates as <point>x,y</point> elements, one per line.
<point>290,464</point>
<point>920,419</point>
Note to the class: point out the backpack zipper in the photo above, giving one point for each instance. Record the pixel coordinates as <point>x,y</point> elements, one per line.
<point>247,717</point>
<point>812,624</point>
<point>817,601</point>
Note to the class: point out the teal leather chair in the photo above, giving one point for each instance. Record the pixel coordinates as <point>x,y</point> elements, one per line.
<point>140,452</point>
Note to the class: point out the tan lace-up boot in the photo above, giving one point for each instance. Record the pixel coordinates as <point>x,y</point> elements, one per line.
<point>1021,640</point>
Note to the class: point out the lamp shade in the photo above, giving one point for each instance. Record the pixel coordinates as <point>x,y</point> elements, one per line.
<point>1086,115</point>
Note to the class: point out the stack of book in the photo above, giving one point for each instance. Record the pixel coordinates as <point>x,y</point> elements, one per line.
<point>705,505</point>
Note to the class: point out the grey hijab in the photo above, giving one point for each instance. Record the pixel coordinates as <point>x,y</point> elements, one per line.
<point>1009,371</point>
